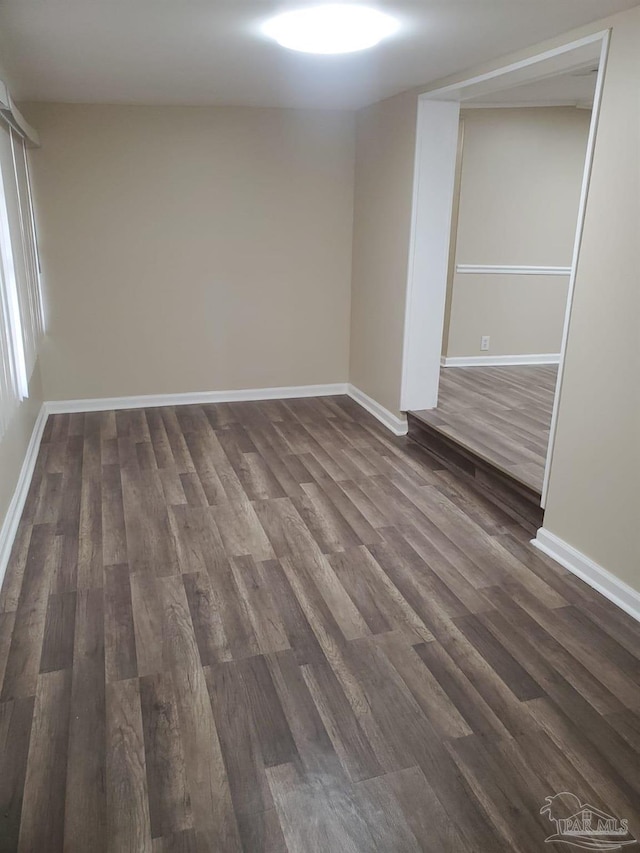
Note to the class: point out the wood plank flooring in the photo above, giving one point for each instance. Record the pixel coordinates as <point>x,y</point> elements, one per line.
<point>503,414</point>
<point>274,627</point>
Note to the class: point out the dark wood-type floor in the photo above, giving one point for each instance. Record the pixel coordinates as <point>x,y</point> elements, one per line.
<point>501,413</point>
<point>274,627</point>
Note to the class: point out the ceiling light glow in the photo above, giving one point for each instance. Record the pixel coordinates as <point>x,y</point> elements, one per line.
<point>334,28</point>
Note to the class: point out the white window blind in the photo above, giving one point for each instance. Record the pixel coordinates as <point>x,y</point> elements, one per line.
<point>29,289</point>
<point>21,314</point>
<point>10,393</point>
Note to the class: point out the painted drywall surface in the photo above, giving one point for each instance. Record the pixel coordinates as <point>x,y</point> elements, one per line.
<point>193,248</point>
<point>593,493</point>
<point>521,178</point>
<point>520,188</point>
<point>522,314</point>
<point>14,442</point>
<point>382,225</point>
<point>385,150</point>
<point>594,498</point>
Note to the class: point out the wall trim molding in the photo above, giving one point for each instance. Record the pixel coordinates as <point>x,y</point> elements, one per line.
<point>150,401</point>
<point>398,426</point>
<point>602,580</point>
<point>12,517</point>
<point>497,360</point>
<point>506,269</point>
<point>103,404</point>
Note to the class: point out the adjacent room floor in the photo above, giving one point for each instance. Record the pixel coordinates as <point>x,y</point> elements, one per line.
<point>274,627</point>
<point>502,414</point>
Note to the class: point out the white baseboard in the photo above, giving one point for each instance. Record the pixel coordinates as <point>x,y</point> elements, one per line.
<point>396,425</point>
<point>104,404</point>
<point>616,590</point>
<point>150,401</point>
<point>14,512</point>
<point>497,360</point>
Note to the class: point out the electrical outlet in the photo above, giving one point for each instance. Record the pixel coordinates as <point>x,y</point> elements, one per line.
<point>484,342</point>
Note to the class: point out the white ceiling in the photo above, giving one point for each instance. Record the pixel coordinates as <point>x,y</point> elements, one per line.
<point>195,52</point>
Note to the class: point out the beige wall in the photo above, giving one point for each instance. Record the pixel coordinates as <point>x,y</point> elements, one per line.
<point>193,249</point>
<point>523,314</point>
<point>13,444</point>
<point>385,146</point>
<point>521,179</point>
<point>594,492</point>
<point>520,188</point>
<point>593,501</point>
<point>380,257</point>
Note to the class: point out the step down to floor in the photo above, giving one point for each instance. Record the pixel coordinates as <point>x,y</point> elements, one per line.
<point>519,499</point>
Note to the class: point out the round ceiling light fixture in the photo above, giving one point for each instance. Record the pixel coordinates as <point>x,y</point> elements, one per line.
<point>334,28</point>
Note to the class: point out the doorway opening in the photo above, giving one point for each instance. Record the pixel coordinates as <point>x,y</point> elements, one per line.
<point>501,180</point>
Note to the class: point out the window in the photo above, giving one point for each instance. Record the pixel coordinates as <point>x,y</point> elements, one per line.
<point>21,315</point>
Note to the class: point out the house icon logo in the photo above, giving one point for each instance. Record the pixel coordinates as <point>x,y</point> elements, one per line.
<point>584,826</point>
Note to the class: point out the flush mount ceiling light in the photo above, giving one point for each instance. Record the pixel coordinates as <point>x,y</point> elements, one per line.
<point>334,28</point>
